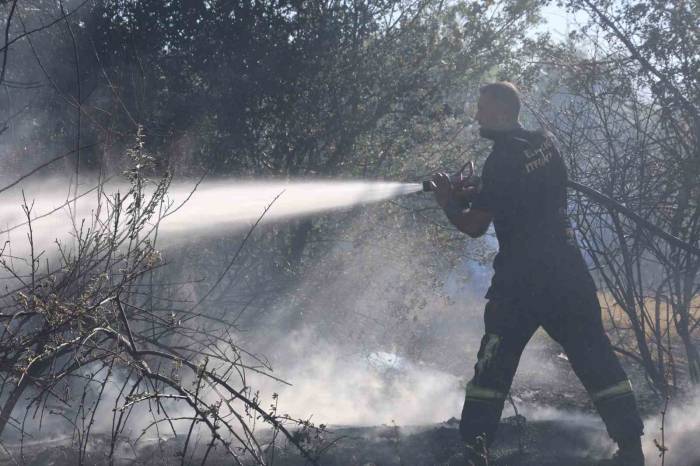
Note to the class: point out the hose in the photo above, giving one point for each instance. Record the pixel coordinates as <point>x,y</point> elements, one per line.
<point>612,204</point>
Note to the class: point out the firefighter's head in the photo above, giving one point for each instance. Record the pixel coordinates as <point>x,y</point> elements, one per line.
<point>498,106</point>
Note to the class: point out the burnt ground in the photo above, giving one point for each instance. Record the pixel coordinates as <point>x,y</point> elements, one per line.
<point>571,435</point>
<point>568,435</point>
<point>544,443</point>
<point>555,442</point>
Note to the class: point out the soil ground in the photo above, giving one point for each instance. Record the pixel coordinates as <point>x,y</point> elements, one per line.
<point>556,442</point>
<point>572,435</point>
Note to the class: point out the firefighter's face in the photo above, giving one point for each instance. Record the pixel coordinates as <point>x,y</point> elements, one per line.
<point>486,112</point>
<point>490,114</point>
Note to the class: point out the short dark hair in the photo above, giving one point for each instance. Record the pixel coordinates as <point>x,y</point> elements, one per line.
<point>505,93</point>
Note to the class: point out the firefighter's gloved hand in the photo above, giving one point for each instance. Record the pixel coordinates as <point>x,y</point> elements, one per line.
<point>465,192</point>
<point>443,189</point>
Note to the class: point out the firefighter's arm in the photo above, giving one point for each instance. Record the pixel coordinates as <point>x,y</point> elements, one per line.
<point>473,222</point>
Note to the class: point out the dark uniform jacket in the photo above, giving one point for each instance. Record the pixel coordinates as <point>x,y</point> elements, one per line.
<point>524,188</point>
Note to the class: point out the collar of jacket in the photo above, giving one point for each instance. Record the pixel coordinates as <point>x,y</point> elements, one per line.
<point>496,134</point>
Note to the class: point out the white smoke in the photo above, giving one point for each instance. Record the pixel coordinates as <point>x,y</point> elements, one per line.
<point>373,389</point>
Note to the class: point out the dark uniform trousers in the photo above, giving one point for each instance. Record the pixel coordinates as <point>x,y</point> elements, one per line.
<point>573,319</point>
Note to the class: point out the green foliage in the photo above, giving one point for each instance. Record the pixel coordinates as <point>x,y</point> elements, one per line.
<point>290,88</point>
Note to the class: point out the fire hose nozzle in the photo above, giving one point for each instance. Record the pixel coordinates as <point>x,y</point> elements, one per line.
<point>459,180</point>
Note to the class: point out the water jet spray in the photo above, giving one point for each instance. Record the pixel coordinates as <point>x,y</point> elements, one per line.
<point>217,205</point>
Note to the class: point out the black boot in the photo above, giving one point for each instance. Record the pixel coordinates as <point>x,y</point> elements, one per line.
<point>629,453</point>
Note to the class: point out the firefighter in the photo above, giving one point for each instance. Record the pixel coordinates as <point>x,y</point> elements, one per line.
<point>540,279</point>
